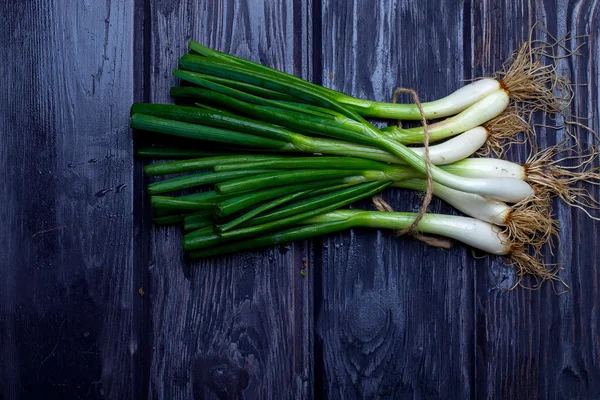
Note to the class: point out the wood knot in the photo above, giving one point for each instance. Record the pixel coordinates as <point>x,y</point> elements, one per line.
<point>221,376</point>
<point>367,317</point>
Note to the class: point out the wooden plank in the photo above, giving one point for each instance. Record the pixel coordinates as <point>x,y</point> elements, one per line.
<point>395,318</point>
<point>66,293</point>
<point>534,344</point>
<point>239,325</point>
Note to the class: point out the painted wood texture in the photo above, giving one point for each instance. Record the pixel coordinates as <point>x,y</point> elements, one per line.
<point>67,287</point>
<point>376,317</point>
<point>535,344</point>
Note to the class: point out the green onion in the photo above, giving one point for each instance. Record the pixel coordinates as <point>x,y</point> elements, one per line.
<point>260,209</point>
<point>502,189</point>
<point>251,89</point>
<point>203,178</point>
<point>240,202</point>
<point>172,152</point>
<point>207,52</point>
<point>317,200</point>
<point>479,113</point>
<point>286,199</point>
<point>345,163</point>
<point>228,122</point>
<point>204,81</point>
<point>198,221</point>
<point>299,89</point>
<point>286,114</point>
<point>278,178</point>
<point>204,200</point>
<point>200,132</point>
<point>247,118</point>
<point>194,241</point>
<point>177,167</point>
<point>452,104</point>
<point>471,231</point>
<point>178,204</point>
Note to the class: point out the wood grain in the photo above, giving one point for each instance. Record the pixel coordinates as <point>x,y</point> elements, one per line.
<point>396,318</point>
<point>377,316</point>
<point>67,272</point>
<point>236,326</point>
<point>534,344</point>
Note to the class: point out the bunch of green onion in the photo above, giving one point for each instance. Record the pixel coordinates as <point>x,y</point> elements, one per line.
<point>260,157</point>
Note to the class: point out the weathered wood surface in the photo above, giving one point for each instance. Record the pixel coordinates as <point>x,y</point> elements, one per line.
<point>67,279</point>
<point>377,316</point>
<point>534,344</point>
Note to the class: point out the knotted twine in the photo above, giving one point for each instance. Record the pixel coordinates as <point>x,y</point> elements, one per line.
<point>382,205</point>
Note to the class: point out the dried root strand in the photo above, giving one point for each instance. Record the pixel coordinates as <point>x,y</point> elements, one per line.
<point>503,131</point>
<point>549,178</point>
<point>531,222</point>
<point>535,85</point>
<point>530,229</point>
<point>528,264</point>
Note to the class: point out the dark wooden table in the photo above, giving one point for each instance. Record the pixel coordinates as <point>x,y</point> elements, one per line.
<point>97,303</point>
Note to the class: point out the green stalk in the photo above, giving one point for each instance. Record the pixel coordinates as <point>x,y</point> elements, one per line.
<point>240,202</point>
<point>177,167</point>
<point>286,114</point>
<point>178,204</point>
<point>208,196</point>
<point>282,200</point>
<point>204,133</point>
<point>417,135</point>
<point>329,118</point>
<point>346,163</point>
<point>317,200</point>
<point>298,141</point>
<point>206,200</point>
<point>386,173</point>
<point>492,188</point>
<point>202,232</point>
<point>285,236</point>
<point>251,89</point>
<point>224,57</point>
<point>194,241</point>
<point>326,115</point>
<point>172,152</point>
<point>229,122</point>
<point>376,109</point>
<point>366,108</point>
<point>198,221</point>
<point>262,208</point>
<point>470,231</point>
<point>299,88</point>
<point>188,181</point>
<point>204,81</point>
<point>168,205</point>
<point>278,178</point>
<point>214,109</point>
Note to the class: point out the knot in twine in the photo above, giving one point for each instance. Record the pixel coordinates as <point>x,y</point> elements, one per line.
<point>382,205</point>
